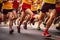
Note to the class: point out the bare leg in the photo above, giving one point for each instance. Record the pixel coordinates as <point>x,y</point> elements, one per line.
<point>10,22</point>
<point>49,22</point>
<point>40,19</point>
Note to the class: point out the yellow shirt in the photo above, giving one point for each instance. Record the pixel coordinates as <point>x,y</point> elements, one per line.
<point>27,1</point>
<point>1,1</point>
<point>50,1</point>
<point>7,5</point>
<point>34,6</point>
<point>39,6</point>
<point>35,1</point>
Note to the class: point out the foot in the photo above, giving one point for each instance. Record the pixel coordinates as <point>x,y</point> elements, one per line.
<point>11,31</point>
<point>33,22</point>
<point>38,28</point>
<point>25,25</point>
<point>44,24</point>
<point>58,28</point>
<point>46,34</point>
<point>18,29</point>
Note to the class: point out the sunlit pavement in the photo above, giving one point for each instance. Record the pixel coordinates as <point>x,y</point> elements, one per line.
<point>30,34</point>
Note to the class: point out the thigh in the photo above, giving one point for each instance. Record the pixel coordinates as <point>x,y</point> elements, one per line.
<point>53,13</point>
<point>10,15</point>
<point>14,12</point>
<point>28,11</point>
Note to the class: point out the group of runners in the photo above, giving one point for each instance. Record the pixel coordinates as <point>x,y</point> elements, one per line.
<point>30,11</point>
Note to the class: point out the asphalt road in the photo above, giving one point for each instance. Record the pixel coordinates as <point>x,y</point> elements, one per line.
<point>29,34</point>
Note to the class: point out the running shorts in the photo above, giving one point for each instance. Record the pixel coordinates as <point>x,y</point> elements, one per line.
<point>25,6</point>
<point>47,6</point>
<point>5,11</point>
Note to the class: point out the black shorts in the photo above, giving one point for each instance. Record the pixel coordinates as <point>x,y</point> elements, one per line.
<point>35,12</point>
<point>47,6</point>
<point>0,6</point>
<point>5,11</point>
<point>39,10</point>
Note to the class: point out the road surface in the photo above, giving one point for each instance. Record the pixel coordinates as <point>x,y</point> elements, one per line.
<point>29,34</point>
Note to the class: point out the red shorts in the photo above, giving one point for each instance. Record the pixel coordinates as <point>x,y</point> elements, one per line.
<point>58,9</point>
<point>25,6</point>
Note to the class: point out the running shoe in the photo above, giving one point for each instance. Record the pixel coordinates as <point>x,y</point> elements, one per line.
<point>44,24</point>
<point>18,29</point>
<point>11,31</point>
<point>46,34</point>
<point>58,28</point>
<point>25,25</point>
<point>38,28</point>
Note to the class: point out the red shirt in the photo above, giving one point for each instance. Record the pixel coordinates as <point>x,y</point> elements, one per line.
<point>15,4</point>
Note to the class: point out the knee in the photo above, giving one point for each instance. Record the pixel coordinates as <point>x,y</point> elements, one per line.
<point>16,17</point>
<point>52,17</point>
<point>10,17</point>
